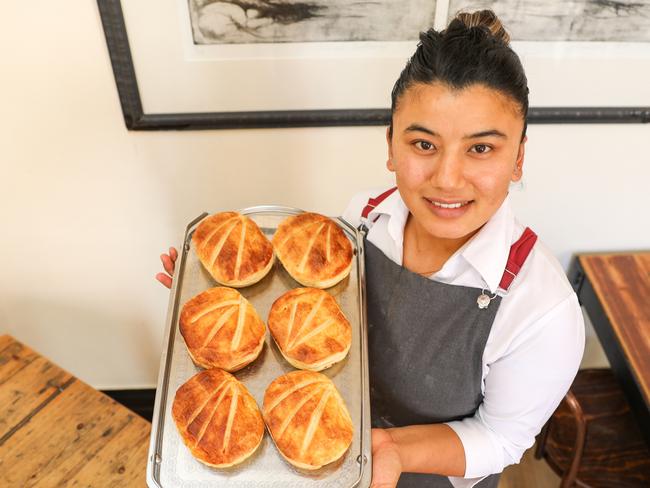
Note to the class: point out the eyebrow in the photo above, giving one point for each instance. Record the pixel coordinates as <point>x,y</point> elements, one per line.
<point>485,133</point>
<point>420,128</point>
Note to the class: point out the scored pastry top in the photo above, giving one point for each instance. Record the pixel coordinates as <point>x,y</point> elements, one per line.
<point>310,329</point>
<point>222,329</point>
<point>233,249</point>
<point>313,249</point>
<point>217,418</point>
<point>307,418</point>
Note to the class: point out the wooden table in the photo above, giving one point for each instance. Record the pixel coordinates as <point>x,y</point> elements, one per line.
<point>615,291</point>
<point>57,431</point>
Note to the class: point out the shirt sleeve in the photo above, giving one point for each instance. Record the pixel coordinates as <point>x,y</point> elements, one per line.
<point>522,390</point>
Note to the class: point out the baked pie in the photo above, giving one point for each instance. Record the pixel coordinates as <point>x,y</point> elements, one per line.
<point>217,418</point>
<point>233,249</point>
<point>307,419</point>
<point>310,329</point>
<point>222,329</point>
<point>313,249</point>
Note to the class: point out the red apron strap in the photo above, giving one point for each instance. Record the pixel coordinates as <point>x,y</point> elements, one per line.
<point>518,253</point>
<point>373,202</point>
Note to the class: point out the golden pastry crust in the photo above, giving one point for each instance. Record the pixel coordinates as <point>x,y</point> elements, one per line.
<point>233,249</point>
<point>217,418</point>
<point>310,329</point>
<point>307,419</point>
<point>222,329</point>
<point>313,249</point>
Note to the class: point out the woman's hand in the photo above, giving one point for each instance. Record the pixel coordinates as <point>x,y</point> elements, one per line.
<point>386,463</point>
<point>168,262</point>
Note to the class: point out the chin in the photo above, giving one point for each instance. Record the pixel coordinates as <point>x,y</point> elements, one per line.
<point>450,234</point>
<point>449,230</point>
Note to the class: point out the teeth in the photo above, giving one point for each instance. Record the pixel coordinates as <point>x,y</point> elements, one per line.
<point>448,205</point>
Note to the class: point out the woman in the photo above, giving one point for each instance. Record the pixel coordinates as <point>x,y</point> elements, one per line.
<point>474,332</point>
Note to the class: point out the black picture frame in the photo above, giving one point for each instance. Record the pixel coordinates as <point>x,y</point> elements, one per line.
<point>117,41</point>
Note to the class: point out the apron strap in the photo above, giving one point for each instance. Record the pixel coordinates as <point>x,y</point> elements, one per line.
<point>373,202</point>
<point>519,251</point>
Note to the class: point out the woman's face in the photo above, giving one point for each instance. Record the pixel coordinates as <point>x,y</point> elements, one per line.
<point>454,153</point>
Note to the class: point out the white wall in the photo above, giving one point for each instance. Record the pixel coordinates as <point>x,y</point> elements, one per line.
<point>86,207</point>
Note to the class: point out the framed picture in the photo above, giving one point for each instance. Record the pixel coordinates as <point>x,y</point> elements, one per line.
<point>223,64</point>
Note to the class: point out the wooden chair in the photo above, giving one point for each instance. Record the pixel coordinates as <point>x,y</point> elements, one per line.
<point>592,439</point>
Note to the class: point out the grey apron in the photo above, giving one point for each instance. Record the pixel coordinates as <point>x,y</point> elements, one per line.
<point>426,342</point>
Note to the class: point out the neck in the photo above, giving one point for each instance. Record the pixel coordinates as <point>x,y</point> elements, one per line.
<point>424,253</point>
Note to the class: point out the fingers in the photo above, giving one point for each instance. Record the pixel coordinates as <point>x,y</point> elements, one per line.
<point>168,264</point>
<point>164,279</point>
<point>386,462</point>
<point>386,468</point>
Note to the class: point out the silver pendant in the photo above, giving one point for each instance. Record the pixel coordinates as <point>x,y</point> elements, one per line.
<point>483,301</point>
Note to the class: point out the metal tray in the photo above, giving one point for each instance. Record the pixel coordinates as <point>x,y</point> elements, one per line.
<point>170,463</point>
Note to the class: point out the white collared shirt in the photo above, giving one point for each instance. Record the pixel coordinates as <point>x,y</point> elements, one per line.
<point>535,345</point>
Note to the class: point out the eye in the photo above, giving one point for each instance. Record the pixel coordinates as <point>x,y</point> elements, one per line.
<point>481,148</point>
<point>424,145</point>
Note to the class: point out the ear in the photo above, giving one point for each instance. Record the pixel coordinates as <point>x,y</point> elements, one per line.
<point>517,171</point>
<point>389,143</point>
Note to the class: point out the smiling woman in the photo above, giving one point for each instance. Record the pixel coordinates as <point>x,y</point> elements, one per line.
<point>457,136</point>
<point>453,167</point>
<point>458,331</point>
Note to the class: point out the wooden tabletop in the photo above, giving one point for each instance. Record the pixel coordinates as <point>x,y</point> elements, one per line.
<point>622,285</point>
<point>56,430</point>
<point>614,289</point>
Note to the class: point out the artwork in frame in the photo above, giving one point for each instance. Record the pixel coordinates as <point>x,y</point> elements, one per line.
<point>211,64</point>
<point>246,21</point>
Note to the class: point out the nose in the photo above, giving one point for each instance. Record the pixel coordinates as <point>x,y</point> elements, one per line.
<point>448,172</point>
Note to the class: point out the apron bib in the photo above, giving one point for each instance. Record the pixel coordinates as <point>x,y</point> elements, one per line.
<point>425,346</point>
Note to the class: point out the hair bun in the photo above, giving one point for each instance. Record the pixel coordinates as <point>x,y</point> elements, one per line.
<point>486,19</point>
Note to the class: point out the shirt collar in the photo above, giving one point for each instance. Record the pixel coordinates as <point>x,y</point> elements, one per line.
<point>397,212</point>
<point>487,251</point>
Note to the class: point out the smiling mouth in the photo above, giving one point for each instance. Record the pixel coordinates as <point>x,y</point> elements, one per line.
<point>440,204</point>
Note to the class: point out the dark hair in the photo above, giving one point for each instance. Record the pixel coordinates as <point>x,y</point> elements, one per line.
<point>473,49</point>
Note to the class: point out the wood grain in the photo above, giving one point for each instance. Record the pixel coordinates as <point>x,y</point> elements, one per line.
<point>13,357</point>
<point>622,285</point>
<point>57,431</point>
